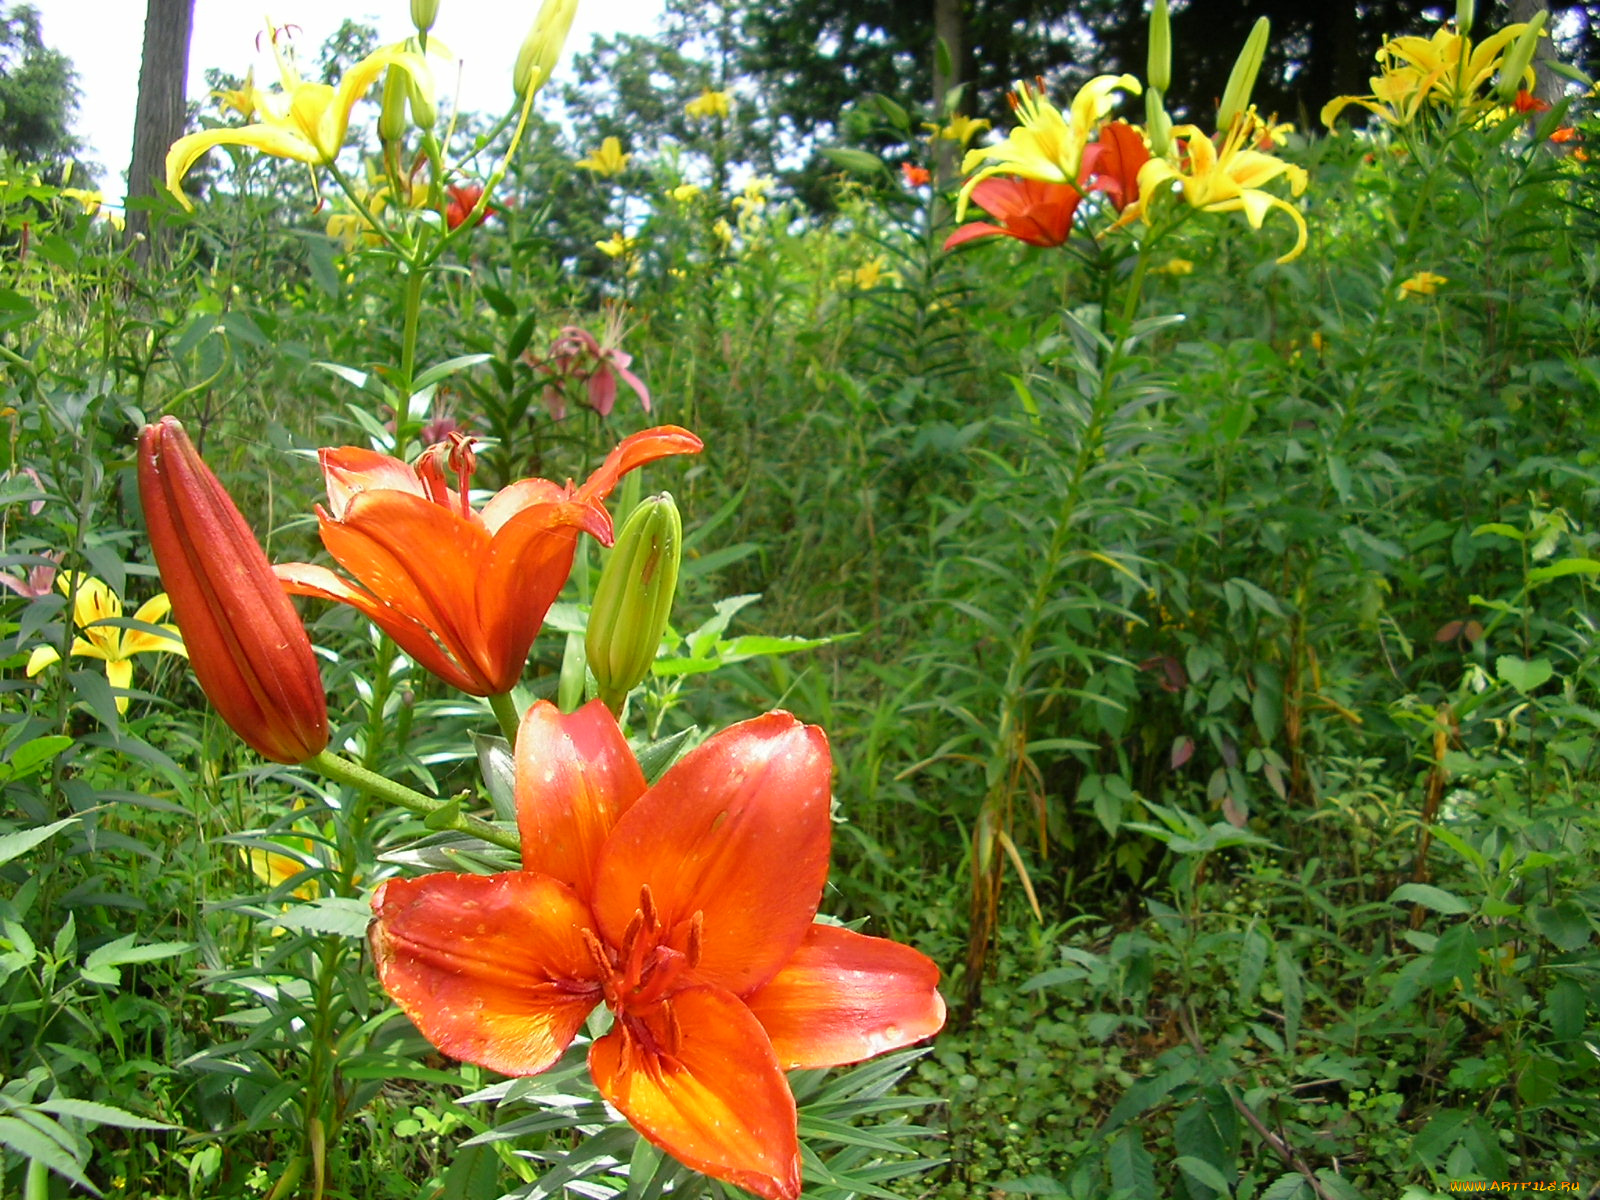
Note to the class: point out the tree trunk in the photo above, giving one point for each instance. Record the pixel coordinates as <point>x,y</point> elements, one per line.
<point>948,27</point>
<point>159,118</point>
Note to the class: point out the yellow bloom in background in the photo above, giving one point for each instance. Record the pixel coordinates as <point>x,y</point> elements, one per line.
<point>616,245</point>
<point>961,129</point>
<point>114,644</point>
<point>351,227</point>
<point>868,275</point>
<point>1227,180</point>
<point>709,104</point>
<point>305,122</point>
<point>723,232</point>
<point>89,199</point>
<point>274,869</point>
<point>1445,69</point>
<point>607,161</point>
<point>1174,266</point>
<point>685,192</point>
<point>1423,283</point>
<point>242,101</point>
<point>754,196</point>
<point>1048,145</point>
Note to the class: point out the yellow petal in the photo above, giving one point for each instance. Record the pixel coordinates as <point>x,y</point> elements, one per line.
<point>120,673</point>
<point>42,657</point>
<point>269,139</point>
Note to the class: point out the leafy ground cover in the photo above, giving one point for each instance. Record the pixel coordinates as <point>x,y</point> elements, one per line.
<point>1203,631</point>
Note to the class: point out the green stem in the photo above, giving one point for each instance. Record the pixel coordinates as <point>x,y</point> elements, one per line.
<point>505,711</point>
<point>342,770</point>
<point>416,276</point>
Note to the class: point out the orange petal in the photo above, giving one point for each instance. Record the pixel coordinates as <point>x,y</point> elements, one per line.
<point>521,575</point>
<point>524,493</point>
<point>575,777</point>
<point>491,968</point>
<point>422,559</point>
<point>844,997</point>
<point>635,451</point>
<point>350,470</point>
<point>708,1092</point>
<point>306,579</point>
<point>737,831</point>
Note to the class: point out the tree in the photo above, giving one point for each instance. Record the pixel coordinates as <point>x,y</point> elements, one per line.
<point>159,116</point>
<point>38,93</point>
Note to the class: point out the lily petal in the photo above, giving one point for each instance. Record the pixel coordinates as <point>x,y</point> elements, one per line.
<point>491,968</point>
<point>575,778</point>
<point>119,673</point>
<point>269,139</point>
<point>715,1100</point>
<point>635,451</point>
<point>738,830</point>
<point>42,657</point>
<point>844,997</point>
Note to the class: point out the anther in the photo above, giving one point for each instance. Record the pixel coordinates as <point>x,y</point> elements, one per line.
<point>697,925</point>
<point>647,907</point>
<point>597,953</point>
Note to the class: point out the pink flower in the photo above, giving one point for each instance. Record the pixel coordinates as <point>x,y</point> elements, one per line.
<point>576,355</point>
<point>39,580</point>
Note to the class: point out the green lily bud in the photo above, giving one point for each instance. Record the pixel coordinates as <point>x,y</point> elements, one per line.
<point>1464,14</point>
<point>1157,124</point>
<point>634,598</point>
<point>392,112</point>
<point>424,13</point>
<point>1242,81</point>
<point>1517,60</point>
<point>1158,72</point>
<point>542,47</point>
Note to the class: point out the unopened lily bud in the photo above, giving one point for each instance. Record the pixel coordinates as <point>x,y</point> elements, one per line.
<point>1158,73</point>
<point>1514,67</point>
<point>542,47</point>
<point>634,599</point>
<point>424,13</point>
<point>1157,124</point>
<point>1242,81</point>
<point>246,643</point>
<point>392,112</point>
<point>1464,15</point>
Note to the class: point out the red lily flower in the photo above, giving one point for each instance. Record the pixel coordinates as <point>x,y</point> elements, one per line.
<point>246,643</point>
<point>1029,210</point>
<point>463,592</point>
<point>688,909</point>
<point>1566,133</point>
<point>1527,102</point>
<point>915,175</point>
<point>464,198</point>
<point>1111,165</point>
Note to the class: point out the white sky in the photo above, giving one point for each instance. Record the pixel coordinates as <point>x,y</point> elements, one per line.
<point>104,39</point>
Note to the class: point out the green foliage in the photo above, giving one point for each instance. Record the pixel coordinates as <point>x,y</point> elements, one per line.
<point>38,94</point>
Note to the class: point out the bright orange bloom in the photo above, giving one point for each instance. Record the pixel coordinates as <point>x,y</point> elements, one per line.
<point>462,592</point>
<point>1029,210</point>
<point>1527,102</point>
<point>464,198</point>
<point>914,175</point>
<point>688,909</point>
<point>246,643</point>
<point>1111,164</point>
<point>1566,134</point>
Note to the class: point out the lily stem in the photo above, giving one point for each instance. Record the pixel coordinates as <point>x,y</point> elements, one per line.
<point>505,711</point>
<point>342,770</point>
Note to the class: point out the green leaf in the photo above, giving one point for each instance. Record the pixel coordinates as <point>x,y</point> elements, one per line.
<point>1523,674</point>
<point>447,368</point>
<point>1287,1187</point>
<point>1203,1173</point>
<point>1503,530</point>
<point>858,161</point>
<point>100,1114</point>
<point>498,300</point>
<point>23,840</point>
<point>1565,566</point>
<point>1435,899</point>
<point>445,815</point>
<point>1565,923</point>
<point>345,916</point>
<point>31,754</point>
<point>1133,1171</point>
<point>32,1144</point>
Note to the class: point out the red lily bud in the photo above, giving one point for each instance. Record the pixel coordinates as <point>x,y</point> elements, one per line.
<point>246,642</point>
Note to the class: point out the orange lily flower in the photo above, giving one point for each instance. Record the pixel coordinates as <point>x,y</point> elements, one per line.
<point>1029,210</point>
<point>1111,165</point>
<point>463,592</point>
<point>246,643</point>
<point>689,910</point>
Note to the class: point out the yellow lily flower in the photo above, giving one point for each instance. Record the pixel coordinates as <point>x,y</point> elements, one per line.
<point>1424,283</point>
<point>607,161</point>
<point>304,121</point>
<point>274,869</point>
<point>114,644</point>
<point>961,129</point>
<point>242,101</point>
<point>868,275</point>
<point>708,104</point>
<point>1047,145</point>
<point>1226,180</point>
<point>1445,69</point>
<point>617,246</point>
<point>685,192</point>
